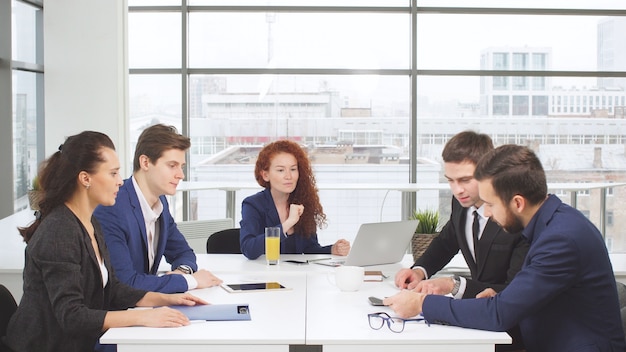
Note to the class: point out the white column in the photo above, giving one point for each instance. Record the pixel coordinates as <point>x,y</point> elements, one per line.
<point>85,71</point>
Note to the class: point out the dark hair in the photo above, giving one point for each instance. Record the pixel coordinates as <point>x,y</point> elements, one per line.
<point>58,174</point>
<point>514,170</point>
<point>467,146</point>
<point>157,139</point>
<point>305,193</point>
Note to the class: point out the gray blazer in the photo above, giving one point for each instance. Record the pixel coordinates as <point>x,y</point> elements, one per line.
<point>64,304</point>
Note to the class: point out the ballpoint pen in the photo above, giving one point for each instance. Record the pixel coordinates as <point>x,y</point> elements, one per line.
<point>316,260</point>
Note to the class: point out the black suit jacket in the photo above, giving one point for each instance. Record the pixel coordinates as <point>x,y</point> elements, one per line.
<point>500,254</point>
<point>64,304</point>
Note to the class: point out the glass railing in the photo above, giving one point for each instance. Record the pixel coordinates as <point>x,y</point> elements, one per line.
<point>347,205</point>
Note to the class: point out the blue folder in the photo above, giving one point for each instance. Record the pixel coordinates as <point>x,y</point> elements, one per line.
<point>216,312</point>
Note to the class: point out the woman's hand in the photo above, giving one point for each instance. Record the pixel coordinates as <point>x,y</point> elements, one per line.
<point>153,317</point>
<point>341,247</point>
<point>162,317</point>
<point>183,299</point>
<point>295,211</point>
<point>156,299</point>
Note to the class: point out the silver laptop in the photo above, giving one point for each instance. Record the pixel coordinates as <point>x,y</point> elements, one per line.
<point>378,243</point>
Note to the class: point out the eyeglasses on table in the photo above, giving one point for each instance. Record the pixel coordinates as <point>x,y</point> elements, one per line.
<point>377,320</point>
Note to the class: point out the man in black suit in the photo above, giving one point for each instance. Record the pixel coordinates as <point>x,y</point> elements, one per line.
<point>497,256</point>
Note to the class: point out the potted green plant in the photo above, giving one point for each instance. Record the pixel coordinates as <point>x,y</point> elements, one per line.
<point>427,229</point>
<point>35,194</point>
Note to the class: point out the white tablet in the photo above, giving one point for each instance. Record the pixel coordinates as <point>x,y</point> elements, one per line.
<point>256,286</point>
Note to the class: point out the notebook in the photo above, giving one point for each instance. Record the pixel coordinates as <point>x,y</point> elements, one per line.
<point>378,243</point>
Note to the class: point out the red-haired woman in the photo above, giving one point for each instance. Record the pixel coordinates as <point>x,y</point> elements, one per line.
<point>290,200</point>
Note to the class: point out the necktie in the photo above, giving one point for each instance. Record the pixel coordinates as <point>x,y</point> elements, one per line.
<point>475,232</point>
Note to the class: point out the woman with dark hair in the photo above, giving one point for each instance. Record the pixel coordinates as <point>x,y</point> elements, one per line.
<point>71,294</point>
<point>290,200</point>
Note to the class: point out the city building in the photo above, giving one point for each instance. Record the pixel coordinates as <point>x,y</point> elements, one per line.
<point>515,95</point>
<point>611,51</point>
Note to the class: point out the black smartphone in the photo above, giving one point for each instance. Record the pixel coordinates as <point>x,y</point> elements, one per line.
<point>297,262</point>
<point>375,301</point>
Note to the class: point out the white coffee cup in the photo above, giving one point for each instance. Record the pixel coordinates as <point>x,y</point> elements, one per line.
<point>349,278</point>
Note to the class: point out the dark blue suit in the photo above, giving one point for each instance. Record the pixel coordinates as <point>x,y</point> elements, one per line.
<point>564,298</point>
<point>124,230</point>
<point>258,212</point>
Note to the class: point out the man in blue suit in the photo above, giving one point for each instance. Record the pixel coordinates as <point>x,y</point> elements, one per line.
<point>564,298</point>
<point>139,229</point>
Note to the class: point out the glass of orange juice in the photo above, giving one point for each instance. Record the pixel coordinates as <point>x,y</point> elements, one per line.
<point>272,245</point>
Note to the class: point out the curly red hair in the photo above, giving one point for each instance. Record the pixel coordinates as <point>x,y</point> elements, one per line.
<point>305,193</point>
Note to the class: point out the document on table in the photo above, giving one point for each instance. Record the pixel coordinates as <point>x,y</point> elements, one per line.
<point>216,312</point>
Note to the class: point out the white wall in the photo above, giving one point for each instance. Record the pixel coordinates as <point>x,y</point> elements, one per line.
<point>85,70</point>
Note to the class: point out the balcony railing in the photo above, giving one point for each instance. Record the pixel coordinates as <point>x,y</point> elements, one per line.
<point>232,188</point>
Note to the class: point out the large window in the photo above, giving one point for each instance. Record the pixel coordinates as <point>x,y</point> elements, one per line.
<point>23,82</point>
<point>374,102</point>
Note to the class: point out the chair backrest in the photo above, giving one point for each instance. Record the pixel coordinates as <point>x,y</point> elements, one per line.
<point>7,308</point>
<point>196,232</point>
<point>224,242</point>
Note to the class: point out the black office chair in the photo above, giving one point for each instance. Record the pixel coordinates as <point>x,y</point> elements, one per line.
<point>224,242</point>
<point>7,308</point>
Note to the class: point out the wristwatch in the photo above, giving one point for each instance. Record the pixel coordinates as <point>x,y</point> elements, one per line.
<point>457,285</point>
<point>186,269</point>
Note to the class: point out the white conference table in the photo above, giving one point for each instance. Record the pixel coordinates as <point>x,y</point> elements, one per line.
<point>277,320</point>
<point>338,321</point>
<point>312,312</point>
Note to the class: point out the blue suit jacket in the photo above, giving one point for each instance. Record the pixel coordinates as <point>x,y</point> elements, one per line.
<point>564,298</point>
<point>124,230</point>
<point>258,212</point>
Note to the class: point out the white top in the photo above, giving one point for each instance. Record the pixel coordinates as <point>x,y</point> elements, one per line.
<point>105,274</point>
<point>151,216</point>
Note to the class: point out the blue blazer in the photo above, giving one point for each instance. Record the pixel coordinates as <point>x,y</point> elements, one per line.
<point>124,230</point>
<point>258,212</point>
<point>564,298</point>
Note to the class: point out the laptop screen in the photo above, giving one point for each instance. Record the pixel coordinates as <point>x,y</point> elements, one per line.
<point>379,243</point>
